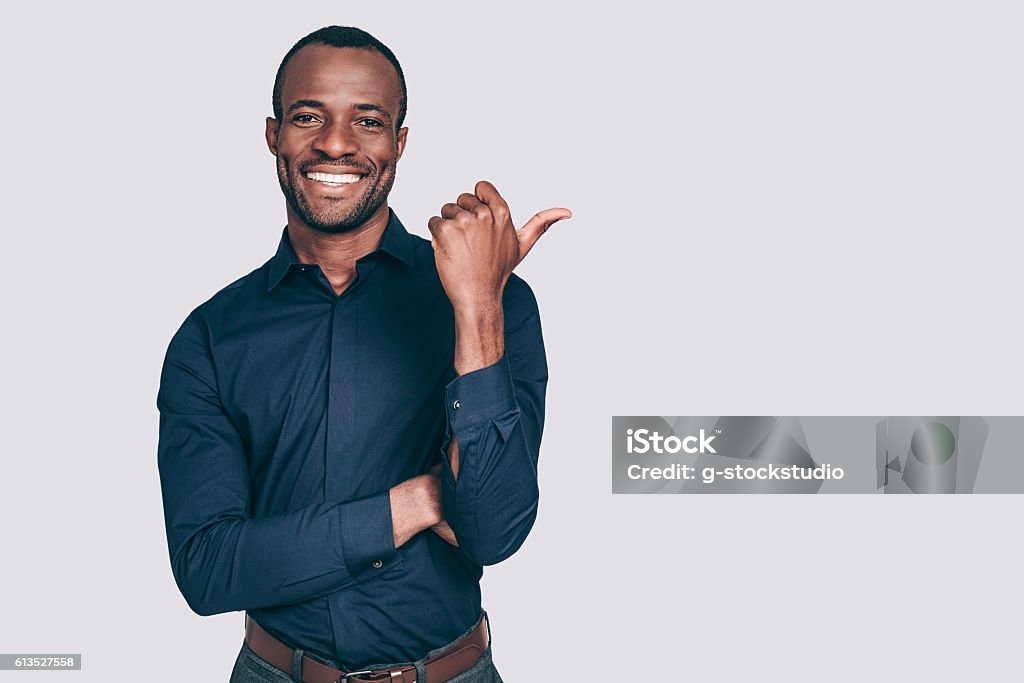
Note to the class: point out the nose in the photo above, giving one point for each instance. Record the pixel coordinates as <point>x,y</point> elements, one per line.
<point>336,140</point>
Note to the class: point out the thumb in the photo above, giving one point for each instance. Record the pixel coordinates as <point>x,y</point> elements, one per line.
<point>537,226</point>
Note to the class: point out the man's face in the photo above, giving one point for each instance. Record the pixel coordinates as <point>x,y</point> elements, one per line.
<point>336,143</point>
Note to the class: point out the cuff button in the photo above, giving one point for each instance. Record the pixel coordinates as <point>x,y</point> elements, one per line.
<point>377,564</point>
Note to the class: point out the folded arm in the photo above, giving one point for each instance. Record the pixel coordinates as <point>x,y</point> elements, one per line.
<point>223,559</point>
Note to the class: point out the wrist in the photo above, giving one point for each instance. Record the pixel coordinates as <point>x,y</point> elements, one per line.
<point>429,490</point>
<point>479,336</point>
<point>415,506</point>
<point>477,312</point>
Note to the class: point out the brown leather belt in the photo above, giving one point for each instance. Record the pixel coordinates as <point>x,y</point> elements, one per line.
<point>449,663</point>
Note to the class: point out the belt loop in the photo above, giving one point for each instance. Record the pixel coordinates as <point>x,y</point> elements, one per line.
<point>297,666</point>
<point>421,672</point>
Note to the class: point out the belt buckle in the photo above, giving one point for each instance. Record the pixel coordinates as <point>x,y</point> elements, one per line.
<point>380,672</point>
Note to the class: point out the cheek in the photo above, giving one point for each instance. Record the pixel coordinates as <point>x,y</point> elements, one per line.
<point>283,167</point>
<point>286,159</point>
<point>383,151</point>
<point>290,146</point>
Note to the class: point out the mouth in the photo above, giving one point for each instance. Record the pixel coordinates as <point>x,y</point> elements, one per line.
<point>334,179</point>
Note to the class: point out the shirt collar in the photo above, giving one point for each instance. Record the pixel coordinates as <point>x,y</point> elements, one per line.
<point>396,241</point>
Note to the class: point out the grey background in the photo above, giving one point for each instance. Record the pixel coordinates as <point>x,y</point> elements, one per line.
<point>796,208</point>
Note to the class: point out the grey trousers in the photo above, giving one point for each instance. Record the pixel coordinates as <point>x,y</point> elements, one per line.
<point>250,668</point>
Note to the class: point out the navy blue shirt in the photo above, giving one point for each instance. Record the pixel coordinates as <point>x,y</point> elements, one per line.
<point>286,414</point>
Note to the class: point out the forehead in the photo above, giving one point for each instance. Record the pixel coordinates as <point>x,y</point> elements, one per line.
<point>340,75</point>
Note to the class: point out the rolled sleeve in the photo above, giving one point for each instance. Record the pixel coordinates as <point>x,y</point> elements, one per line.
<point>480,396</point>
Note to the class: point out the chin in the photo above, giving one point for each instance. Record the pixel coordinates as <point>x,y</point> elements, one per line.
<point>334,223</point>
<point>326,217</point>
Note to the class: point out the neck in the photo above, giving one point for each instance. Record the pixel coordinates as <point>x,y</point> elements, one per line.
<point>336,254</point>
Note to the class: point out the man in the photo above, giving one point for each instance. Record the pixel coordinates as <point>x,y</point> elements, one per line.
<point>350,432</point>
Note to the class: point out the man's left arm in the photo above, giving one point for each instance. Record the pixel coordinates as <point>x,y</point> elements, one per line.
<point>495,406</point>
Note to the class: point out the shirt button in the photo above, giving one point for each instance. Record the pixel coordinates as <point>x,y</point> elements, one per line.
<point>377,564</point>
<point>456,405</point>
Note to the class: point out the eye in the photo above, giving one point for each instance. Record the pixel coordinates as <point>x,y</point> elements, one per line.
<point>305,120</point>
<point>370,123</point>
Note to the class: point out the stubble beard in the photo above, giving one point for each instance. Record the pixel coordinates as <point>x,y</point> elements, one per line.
<point>332,218</point>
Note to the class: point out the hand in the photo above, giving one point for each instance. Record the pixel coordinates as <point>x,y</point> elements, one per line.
<point>441,528</point>
<point>415,506</point>
<point>444,531</point>
<point>476,246</point>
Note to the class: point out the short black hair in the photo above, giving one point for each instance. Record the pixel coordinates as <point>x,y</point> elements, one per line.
<point>341,36</point>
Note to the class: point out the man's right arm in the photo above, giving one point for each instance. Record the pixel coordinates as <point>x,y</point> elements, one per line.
<point>222,559</point>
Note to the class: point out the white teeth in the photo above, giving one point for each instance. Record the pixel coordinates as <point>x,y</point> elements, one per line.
<point>334,179</point>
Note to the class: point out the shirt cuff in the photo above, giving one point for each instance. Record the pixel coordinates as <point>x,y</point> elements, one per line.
<point>480,396</point>
<point>367,535</point>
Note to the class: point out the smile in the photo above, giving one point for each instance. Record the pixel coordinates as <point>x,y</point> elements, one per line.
<point>334,179</point>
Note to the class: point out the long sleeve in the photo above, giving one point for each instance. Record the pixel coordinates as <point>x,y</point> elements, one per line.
<point>222,559</point>
<point>497,415</point>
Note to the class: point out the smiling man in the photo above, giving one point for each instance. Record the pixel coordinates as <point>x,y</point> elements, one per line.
<point>349,433</point>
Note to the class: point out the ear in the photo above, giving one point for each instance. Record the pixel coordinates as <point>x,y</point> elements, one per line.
<point>271,134</point>
<point>400,142</point>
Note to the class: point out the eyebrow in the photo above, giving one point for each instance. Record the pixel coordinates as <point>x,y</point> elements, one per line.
<point>372,107</point>
<point>299,104</point>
